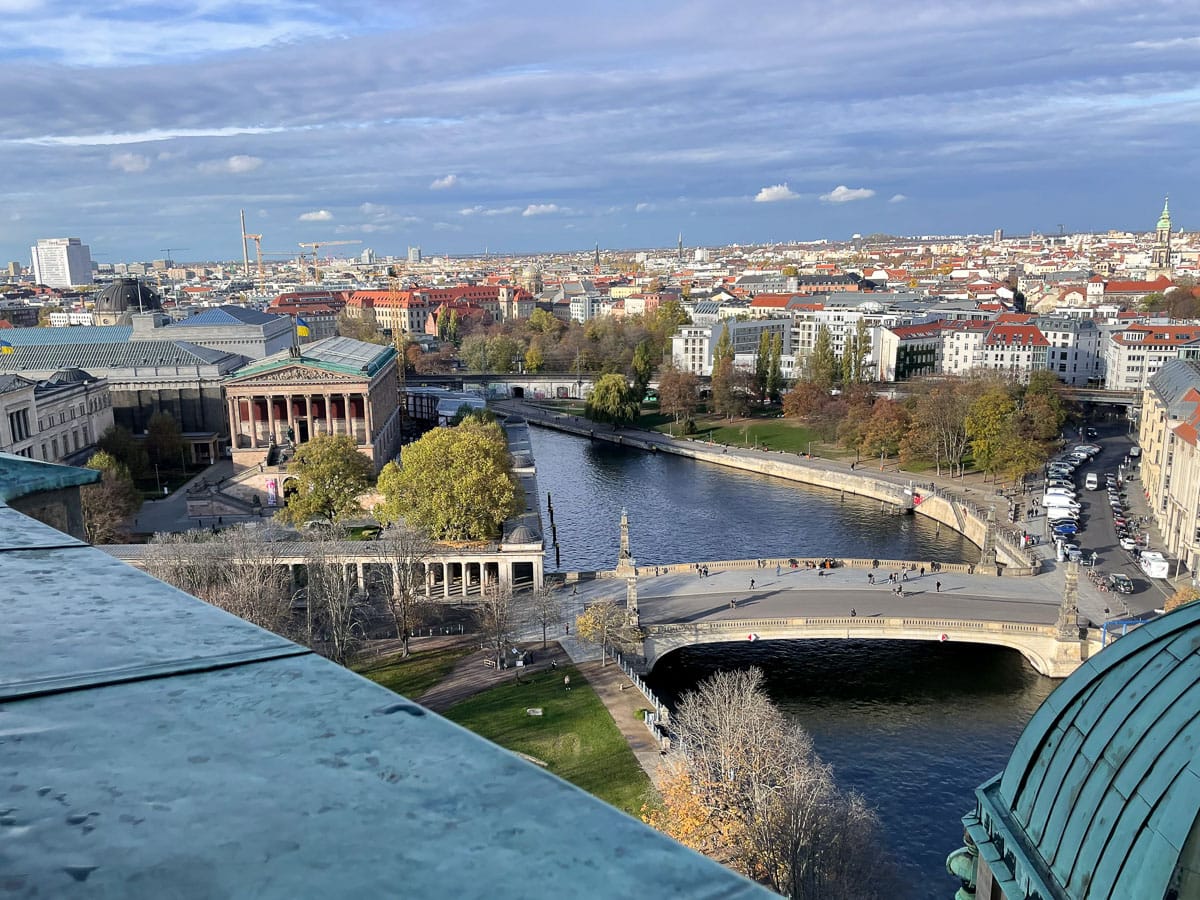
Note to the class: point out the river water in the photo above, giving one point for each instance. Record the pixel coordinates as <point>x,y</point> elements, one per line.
<point>913,726</point>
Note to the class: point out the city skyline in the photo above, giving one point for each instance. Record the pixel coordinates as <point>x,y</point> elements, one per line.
<point>140,128</point>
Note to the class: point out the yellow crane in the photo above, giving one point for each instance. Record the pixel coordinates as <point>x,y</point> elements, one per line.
<point>316,245</point>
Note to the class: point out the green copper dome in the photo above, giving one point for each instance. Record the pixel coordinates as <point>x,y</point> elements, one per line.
<point>1101,795</point>
<point>1164,221</point>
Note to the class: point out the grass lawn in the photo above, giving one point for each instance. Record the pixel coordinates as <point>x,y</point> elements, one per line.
<point>575,736</point>
<point>413,676</point>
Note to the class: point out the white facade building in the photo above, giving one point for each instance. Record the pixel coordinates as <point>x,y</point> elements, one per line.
<point>61,262</point>
<point>1136,353</point>
<point>962,347</point>
<point>1075,353</point>
<point>692,346</point>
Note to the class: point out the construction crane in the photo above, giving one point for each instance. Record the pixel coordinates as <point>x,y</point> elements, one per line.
<point>257,238</point>
<point>316,245</point>
<point>167,250</point>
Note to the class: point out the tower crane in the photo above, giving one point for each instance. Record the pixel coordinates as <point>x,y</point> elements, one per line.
<point>257,238</point>
<point>316,245</point>
<point>167,250</point>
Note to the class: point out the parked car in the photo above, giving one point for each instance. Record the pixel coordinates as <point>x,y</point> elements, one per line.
<point>1120,583</point>
<point>1066,528</point>
<point>1127,542</point>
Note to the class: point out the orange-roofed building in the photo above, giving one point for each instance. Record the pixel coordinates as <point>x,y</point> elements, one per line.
<point>1169,435</point>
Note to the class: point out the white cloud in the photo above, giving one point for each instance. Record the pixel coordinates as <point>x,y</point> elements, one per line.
<point>775,193</point>
<point>241,163</point>
<point>446,226</point>
<point>136,137</point>
<point>129,162</point>
<point>541,209</point>
<point>317,215</point>
<point>489,211</point>
<point>374,210</point>
<point>233,165</point>
<point>644,207</point>
<point>898,198</point>
<point>441,184</point>
<point>843,194</point>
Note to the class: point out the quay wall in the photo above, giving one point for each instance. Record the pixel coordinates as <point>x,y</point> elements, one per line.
<point>962,516</point>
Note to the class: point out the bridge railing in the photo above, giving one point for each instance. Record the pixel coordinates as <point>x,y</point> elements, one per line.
<point>658,720</point>
<point>801,562</point>
<point>861,623</point>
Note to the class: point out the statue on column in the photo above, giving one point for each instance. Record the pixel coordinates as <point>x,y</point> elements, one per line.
<point>627,567</point>
<point>1068,610</point>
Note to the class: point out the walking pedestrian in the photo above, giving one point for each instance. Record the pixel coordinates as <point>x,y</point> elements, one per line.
<point>566,682</point>
<point>733,602</point>
<point>904,576</point>
<point>870,578</point>
<point>938,585</point>
<point>853,613</point>
<point>778,571</point>
<point>574,589</point>
<point>922,571</point>
<point>751,584</point>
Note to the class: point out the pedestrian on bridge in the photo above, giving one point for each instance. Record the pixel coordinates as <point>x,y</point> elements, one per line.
<point>870,578</point>
<point>938,585</point>
<point>778,570</point>
<point>751,584</point>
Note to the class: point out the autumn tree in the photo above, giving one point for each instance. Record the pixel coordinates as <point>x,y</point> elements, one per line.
<point>1181,597</point>
<point>108,506</point>
<point>822,362</point>
<point>884,429</point>
<point>613,400</point>
<point>402,551</point>
<point>677,393</point>
<point>534,360</point>
<point>360,328</point>
<point>774,385</point>
<point>749,789</point>
<point>645,359</point>
<point>989,426</point>
<point>455,484</point>
<point>607,625</point>
<point>804,400</point>
<point>474,352</point>
<point>331,474</point>
<point>762,365</point>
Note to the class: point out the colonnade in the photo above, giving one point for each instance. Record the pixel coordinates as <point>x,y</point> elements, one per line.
<point>307,414</point>
<point>448,579</point>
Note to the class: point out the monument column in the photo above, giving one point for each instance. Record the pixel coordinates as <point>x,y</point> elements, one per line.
<point>627,569</point>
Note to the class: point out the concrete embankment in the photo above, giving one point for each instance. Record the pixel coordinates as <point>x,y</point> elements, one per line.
<point>956,513</point>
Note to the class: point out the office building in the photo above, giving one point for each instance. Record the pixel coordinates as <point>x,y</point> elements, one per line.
<point>61,262</point>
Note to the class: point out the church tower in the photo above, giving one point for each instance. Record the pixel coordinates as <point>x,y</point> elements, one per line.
<point>1160,256</point>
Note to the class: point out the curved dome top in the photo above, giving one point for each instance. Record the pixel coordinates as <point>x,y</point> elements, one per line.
<point>1104,783</point>
<point>124,295</point>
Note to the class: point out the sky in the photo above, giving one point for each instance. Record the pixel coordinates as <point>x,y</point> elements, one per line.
<point>519,127</point>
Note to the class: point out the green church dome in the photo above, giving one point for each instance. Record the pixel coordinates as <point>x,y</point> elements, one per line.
<point>1101,796</point>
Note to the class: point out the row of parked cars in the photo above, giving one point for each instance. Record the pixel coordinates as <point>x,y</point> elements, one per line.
<point>1061,499</point>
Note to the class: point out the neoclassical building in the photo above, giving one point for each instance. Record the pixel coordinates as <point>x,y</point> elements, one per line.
<point>333,386</point>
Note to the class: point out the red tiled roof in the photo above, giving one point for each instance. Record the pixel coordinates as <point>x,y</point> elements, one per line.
<point>1164,336</point>
<point>1137,287</point>
<point>1017,335</point>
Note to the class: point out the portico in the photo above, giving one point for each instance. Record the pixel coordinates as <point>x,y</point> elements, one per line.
<point>336,386</point>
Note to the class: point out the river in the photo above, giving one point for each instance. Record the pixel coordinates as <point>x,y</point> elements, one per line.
<point>913,726</point>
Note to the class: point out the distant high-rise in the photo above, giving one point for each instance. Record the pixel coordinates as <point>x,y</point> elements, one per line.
<point>414,254</point>
<point>680,251</point>
<point>997,235</point>
<point>367,257</point>
<point>61,262</point>
<point>14,268</point>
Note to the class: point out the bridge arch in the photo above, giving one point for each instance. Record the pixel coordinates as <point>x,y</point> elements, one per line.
<point>1038,644</point>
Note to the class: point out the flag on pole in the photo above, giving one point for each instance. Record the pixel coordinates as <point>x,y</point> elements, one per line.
<point>301,327</point>
<point>6,347</point>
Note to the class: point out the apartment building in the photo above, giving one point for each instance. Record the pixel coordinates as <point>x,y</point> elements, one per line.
<point>1014,349</point>
<point>962,348</point>
<point>1169,435</point>
<point>1134,354</point>
<point>1075,352</point>
<point>910,351</point>
<point>692,346</point>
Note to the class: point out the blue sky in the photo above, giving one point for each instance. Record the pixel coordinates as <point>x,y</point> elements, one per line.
<point>138,125</point>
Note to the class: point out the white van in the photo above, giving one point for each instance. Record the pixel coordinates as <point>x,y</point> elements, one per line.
<point>1135,452</point>
<point>1092,482</point>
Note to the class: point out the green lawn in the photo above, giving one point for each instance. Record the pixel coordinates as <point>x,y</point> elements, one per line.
<point>413,676</point>
<point>575,735</point>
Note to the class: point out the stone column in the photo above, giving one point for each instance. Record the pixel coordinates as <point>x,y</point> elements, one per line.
<point>446,580</point>
<point>328,415</point>
<point>504,567</point>
<point>291,421</point>
<point>252,405</point>
<point>308,414</point>
<point>232,407</point>
<point>1068,609</point>
<point>270,420</point>
<point>465,580</point>
<point>346,420</point>
<point>429,581</point>
<point>367,415</point>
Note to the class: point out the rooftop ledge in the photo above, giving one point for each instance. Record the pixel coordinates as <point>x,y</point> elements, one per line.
<point>154,746</point>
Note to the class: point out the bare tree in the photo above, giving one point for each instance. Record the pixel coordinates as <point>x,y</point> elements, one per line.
<point>404,550</point>
<point>238,570</point>
<point>497,621</point>
<point>748,788</point>
<point>544,609</point>
<point>337,606</point>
